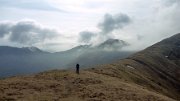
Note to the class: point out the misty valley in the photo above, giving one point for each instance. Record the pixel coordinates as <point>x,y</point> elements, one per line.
<point>27,60</point>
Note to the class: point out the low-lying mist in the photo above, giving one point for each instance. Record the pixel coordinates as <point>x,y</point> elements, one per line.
<point>30,61</point>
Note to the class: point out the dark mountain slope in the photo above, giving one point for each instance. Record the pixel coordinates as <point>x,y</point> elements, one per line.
<point>163,59</point>
<point>159,66</point>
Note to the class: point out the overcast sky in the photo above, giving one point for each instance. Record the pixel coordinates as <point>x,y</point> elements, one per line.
<point>56,25</point>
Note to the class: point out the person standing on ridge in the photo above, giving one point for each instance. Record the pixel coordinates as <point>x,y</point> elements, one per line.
<point>77,68</point>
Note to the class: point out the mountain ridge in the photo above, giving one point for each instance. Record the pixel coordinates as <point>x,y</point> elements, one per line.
<point>7,50</point>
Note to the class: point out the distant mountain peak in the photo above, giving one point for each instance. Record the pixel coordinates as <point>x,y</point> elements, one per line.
<point>114,41</point>
<point>81,47</point>
<point>113,44</point>
<point>33,49</point>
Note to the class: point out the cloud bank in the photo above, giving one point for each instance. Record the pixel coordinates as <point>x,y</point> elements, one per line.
<point>26,32</point>
<point>86,36</point>
<point>113,22</point>
<point>109,24</point>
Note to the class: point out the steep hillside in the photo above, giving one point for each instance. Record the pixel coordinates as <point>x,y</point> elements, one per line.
<point>150,75</point>
<point>159,65</point>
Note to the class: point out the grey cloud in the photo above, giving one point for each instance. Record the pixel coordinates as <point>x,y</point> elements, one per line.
<point>4,29</point>
<point>111,23</point>
<point>86,36</point>
<point>26,32</point>
<point>108,25</point>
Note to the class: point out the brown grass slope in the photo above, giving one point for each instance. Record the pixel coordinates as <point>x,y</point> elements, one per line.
<point>68,86</point>
<point>146,76</point>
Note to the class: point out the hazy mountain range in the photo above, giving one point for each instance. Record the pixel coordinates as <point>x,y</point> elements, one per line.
<point>25,60</point>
